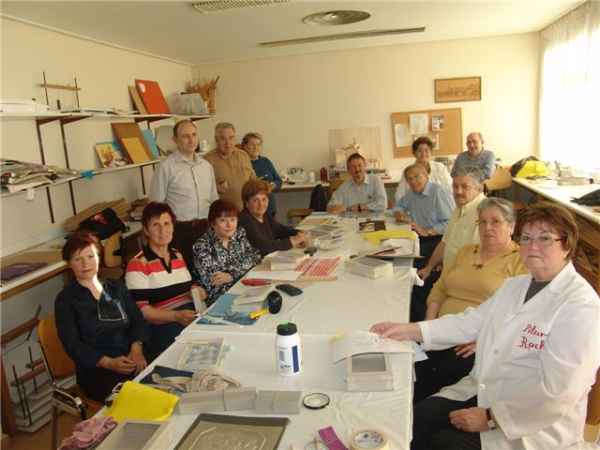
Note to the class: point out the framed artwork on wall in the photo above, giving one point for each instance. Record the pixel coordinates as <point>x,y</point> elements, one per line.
<point>464,89</point>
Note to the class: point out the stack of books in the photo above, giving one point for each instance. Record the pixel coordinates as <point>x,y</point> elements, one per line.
<point>370,267</point>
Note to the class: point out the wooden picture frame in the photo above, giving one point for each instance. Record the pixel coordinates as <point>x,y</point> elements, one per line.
<point>462,89</point>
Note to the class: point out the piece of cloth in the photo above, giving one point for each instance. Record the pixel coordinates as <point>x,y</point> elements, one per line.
<point>185,236</point>
<point>187,186</point>
<point>266,236</point>
<point>441,368</point>
<point>371,193</point>
<point>88,433</point>
<point>468,282</point>
<point>210,257</point>
<point>430,209</point>
<point>462,229</point>
<point>438,174</point>
<point>534,363</point>
<point>265,170</point>
<point>432,429</point>
<point>85,337</point>
<point>485,161</point>
<point>235,170</point>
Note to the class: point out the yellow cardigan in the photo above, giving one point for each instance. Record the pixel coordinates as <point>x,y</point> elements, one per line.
<point>467,282</point>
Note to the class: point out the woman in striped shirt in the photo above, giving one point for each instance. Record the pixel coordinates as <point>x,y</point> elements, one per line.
<point>159,280</point>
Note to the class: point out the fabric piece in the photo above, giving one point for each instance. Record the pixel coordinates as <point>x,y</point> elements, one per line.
<point>88,433</point>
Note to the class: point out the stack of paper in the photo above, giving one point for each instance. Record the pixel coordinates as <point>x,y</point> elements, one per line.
<point>370,267</point>
<point>286,260</point>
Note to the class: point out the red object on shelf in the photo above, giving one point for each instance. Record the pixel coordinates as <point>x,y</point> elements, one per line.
<point>152,96</point>
<point>324,177</point>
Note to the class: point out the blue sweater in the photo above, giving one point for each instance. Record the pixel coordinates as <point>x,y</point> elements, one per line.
<point>265,170</point>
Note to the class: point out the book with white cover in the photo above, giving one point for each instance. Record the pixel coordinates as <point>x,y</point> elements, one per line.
<point>370,267</point>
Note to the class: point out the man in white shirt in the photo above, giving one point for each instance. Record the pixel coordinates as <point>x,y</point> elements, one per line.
<point>186,182</point>
<point>467,189</point>
<point>361,192</point>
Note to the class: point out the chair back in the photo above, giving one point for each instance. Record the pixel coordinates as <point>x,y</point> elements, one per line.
<point>501,179</point>
<point>593,410</point>
<point>58,363</point>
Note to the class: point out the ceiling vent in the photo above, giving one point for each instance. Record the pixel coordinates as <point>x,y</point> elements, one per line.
<point>342,17</point>
<point>342,36</point>
<point>210,6</point>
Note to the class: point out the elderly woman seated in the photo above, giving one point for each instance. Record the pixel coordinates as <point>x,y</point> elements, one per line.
<point>476,273</point>
<point>160,282</point>
<point>263,231</point>
<point>224,254</point>
<point>537,351</point>
<point>100,327</point>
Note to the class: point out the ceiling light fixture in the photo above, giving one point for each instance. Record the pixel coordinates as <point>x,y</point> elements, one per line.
<point>339,17</point>
<point>341,36</point>
<point>210,6</point>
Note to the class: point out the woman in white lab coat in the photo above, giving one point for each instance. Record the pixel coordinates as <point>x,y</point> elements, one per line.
<point>536,354</point>
<point>422,148</point>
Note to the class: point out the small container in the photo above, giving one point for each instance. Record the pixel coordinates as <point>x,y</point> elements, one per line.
<point>312,177</point>
<point>324,175</point>
<point>288,353</point>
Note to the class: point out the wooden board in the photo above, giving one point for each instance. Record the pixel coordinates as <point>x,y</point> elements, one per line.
<point>132,141</point>
<point>152,96</point>
<point>137,100</point>
<point>448,138</point>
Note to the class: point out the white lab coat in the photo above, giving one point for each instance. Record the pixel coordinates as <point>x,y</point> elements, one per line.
<point>534,363</point>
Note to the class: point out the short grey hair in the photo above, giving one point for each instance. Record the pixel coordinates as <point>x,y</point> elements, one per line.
<point>224,125</point>
<point>472,172</point>
<point>505,207</point>
<point>415,166</point>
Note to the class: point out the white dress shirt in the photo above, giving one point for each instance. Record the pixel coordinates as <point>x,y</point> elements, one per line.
<point>187,186</point>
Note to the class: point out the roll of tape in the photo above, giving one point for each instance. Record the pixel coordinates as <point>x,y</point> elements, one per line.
<point>369,440</point>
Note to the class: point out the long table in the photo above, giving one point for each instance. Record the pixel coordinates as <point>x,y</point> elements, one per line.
<point>324,310</point>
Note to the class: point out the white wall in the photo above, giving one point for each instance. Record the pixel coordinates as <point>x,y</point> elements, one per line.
<point>103,73</point>
<point>294,101</point>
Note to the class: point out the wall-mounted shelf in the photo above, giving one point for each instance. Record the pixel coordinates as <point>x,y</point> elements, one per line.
<point>95,172</point>
<point>72,117</point>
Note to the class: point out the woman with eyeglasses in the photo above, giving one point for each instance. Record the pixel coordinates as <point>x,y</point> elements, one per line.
<point>99,325</point>
<point>476,273</point>
<point>537,351</point>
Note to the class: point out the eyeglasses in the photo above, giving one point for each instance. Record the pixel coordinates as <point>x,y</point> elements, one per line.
<point>542,241</point>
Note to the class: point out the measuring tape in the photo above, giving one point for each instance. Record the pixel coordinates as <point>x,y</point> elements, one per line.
<point>369,440</point>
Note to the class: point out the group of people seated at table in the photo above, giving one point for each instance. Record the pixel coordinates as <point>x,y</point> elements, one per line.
<point>509,326</point>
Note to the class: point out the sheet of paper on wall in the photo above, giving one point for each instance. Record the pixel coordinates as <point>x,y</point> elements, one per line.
<point>418,124</point>
<point>359,342</point>
<point>401,135</point>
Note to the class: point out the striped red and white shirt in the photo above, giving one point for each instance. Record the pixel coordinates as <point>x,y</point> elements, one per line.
<point>154,283</point>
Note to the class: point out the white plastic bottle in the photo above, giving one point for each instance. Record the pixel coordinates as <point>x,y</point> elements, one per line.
<point>288,353</point>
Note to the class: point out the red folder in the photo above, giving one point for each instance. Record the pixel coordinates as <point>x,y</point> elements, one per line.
<point>152,96</point>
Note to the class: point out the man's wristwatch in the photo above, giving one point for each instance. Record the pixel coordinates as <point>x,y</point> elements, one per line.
<point>491,423</point>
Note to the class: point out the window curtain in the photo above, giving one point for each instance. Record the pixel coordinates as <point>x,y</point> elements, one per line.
<point>569,102</point>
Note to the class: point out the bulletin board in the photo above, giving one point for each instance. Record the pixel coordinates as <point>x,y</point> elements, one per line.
<point>442,126</point>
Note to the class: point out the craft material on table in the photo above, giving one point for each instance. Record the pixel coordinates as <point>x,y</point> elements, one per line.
<point>331,440</point>
<point>139,402</point>
<point>88,433</point>
<point>376,237</point>
<point>369,440</point>
<point>222,313</point>
<point>359,342</point>
<point>137,435</point>
<point>218,432</point>
<point>397,248</point>
<point>280,275</point>
<point>370,372</point>
<point>199,355</point>
<point>367,266</point>
<point>370,225</point>
<point>318,268</point>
